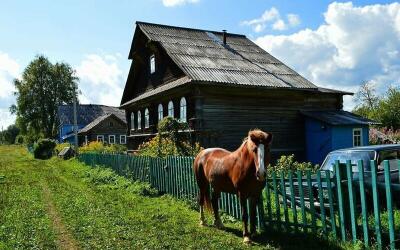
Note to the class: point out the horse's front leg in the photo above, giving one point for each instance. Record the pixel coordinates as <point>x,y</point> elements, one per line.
<point>214,201</point>
<point>243,205</point>
<point>253,218</point>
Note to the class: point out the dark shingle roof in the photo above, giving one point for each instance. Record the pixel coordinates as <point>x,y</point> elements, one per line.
<point>204,58</point>
<point>338,117</point>
<point>86,113</point>
<point>97,121</point>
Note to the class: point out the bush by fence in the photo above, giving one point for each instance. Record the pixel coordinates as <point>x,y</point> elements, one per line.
<point>352,205</point>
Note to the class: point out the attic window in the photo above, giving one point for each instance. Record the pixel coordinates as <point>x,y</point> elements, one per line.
<point>152,64</point>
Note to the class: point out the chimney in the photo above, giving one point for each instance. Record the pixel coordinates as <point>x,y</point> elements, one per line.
<point>224,36</point>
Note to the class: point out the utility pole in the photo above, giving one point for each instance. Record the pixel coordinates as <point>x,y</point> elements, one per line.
<point>75,123</point>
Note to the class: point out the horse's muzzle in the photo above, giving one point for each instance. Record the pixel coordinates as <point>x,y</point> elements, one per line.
<point>261,176</point>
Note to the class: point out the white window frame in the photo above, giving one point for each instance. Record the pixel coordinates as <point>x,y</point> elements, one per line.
<point>86,140</point>
<point>160,112</point>
<point>171,109</point>
<point>109,139</point>
<point>354,137</point>
<point>152,64</point>
<point>139,120</point>
<point>146,118</point>
<point>133,121</point>
<point>183,110</point>
<point>100,136</point>
<point>120,139</point>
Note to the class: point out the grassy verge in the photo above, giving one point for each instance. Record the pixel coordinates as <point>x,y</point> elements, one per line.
<point>102,210</point>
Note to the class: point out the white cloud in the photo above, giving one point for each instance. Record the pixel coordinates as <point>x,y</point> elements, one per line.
<point>173,3</point>
<point>279,25</point>
<point>101,79</point>
<point>9,69</point>
<point>293,19</point>
<point>6,118</point>
<point>272,17</point>
<point>354,44</point>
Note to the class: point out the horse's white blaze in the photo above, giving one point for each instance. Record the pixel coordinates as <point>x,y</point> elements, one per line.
<point>260,154</point>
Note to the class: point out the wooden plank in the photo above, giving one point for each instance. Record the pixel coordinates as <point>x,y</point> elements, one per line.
<point>322,203</point>
<point>363,203</point>
<point>389,203</point>
<point>285,209</point>
<point>352,201</point>
<point>311,198</point>
<point>340,199</point>
<point>375,198</point>
<point>302,205</point>
<point>292,201</point>
<point>277,205</point>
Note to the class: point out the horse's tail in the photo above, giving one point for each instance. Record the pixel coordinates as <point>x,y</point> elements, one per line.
<point>202,182</point>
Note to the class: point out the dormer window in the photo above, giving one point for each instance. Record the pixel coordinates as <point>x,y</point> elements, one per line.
<point>152,64</point>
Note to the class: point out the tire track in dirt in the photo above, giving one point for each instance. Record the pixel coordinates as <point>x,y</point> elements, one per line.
<point>64,238</point>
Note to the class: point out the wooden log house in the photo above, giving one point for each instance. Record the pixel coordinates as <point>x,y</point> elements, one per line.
<point>222,84</point>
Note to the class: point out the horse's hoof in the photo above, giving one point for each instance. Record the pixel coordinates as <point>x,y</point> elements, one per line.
<point>246,240</point>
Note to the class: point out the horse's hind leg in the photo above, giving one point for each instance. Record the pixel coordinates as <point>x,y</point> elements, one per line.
<point>201,203</point>
<point>214,200</point>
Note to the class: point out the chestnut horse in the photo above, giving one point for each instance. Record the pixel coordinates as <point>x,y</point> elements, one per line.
<point>241,172</point>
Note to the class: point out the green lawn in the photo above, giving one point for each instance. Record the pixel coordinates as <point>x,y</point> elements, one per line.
<point>65,204</point>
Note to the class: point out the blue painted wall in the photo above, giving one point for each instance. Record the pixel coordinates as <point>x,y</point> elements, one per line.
<point>321,138</point>
<point>66,129</point>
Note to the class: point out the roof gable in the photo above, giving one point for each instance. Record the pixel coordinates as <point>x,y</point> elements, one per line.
<point>202,57</point>
<point>86,113</point>
<point>99,120</point>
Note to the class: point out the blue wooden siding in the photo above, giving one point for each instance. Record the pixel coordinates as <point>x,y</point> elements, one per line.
<point>67,129</point>
<point>322,138</point>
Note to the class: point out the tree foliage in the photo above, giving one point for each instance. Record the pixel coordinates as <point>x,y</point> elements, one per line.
<point>384,109</point>
<point>8,136</point>
<point>43,87</point>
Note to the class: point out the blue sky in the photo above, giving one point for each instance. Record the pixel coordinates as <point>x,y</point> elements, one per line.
<point>334,44</point>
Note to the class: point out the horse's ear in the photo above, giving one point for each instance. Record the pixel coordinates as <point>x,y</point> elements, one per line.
<point>268,139</point>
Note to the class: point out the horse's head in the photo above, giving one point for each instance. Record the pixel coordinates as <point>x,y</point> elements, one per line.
<point>259,144</point>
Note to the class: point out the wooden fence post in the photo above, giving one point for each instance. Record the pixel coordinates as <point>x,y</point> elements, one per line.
<point>343,198</point>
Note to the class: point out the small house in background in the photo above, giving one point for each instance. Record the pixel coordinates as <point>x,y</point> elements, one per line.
<point>107,128</point>
<point>329,130</point>
<point>86,113</point>
<point>223,85</point>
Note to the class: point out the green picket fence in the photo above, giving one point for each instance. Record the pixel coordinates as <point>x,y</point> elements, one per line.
<point>351,203</point>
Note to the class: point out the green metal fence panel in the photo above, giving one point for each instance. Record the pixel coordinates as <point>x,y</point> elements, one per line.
<point>363,203</point>
<point>389,204</point>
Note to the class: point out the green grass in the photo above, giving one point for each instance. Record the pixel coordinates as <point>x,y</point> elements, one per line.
<point>102,210</point>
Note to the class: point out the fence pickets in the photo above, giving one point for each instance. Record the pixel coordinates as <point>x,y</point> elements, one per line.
<point>352,207</point>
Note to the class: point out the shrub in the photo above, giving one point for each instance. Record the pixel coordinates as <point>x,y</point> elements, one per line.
<point>99,147</point>
<point>170,141</point>
<point>287,162</point>
<point>44,149</point>
<point>19,139</point>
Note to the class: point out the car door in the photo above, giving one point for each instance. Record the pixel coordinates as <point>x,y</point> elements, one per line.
<point>393,157</point>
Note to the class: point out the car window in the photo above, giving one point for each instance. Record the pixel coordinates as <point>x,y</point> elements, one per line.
<point>392,156</point>
<point>353,156</point>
